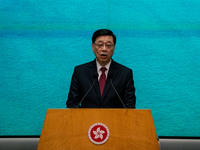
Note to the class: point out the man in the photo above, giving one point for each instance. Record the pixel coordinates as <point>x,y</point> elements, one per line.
<point>102,83</point>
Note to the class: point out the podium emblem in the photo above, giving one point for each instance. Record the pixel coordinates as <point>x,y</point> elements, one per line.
<point>98,133</point>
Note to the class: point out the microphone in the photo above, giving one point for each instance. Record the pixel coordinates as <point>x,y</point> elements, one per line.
<point>110,76</point>
<point>95,75</point>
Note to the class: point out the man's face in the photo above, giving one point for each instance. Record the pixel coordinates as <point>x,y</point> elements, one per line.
<point>103,49</point>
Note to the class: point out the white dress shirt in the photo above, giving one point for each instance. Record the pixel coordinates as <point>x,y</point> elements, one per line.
<point>99,69</point>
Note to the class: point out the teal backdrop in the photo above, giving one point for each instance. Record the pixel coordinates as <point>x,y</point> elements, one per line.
<point>42,41</point>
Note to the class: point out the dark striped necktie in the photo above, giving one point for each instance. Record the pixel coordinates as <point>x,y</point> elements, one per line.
<point>102,79</point>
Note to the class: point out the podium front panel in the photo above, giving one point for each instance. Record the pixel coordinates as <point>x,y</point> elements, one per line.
<point>129,129</point>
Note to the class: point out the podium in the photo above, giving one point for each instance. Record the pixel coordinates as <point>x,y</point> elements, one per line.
<point>69,129</point>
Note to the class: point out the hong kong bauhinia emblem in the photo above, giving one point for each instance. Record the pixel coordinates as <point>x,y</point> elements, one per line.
<point>98,133</point>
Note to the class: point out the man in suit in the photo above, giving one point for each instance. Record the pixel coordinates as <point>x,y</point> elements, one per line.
<point>102,83</point>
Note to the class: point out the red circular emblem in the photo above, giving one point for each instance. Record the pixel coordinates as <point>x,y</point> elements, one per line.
<point>98,133</point>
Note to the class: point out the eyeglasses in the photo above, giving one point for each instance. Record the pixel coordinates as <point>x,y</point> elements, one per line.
<point>106,45</point>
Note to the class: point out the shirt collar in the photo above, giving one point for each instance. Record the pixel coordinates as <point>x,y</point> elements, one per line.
<point>99,66</point>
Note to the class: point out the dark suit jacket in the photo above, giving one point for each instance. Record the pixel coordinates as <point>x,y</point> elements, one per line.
<point>83,78</point>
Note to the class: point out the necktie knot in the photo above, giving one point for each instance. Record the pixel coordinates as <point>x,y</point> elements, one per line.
<point>103,69</point>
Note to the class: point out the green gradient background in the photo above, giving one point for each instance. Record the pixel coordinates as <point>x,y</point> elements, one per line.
<point>42,41</point>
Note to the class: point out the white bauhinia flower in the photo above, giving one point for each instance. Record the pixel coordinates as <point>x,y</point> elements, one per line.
<point>98,133</point>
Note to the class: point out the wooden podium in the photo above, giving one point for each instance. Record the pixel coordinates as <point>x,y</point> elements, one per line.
<point>67,129</point>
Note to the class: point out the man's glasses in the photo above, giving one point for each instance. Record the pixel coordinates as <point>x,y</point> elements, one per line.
<point>101,45</point>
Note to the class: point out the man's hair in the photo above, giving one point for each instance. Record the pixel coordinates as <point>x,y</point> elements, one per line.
<point>101,32</point>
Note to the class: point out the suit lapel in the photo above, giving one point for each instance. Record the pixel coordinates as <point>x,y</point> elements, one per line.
<point>93,70</point>
<point>112,70</point>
